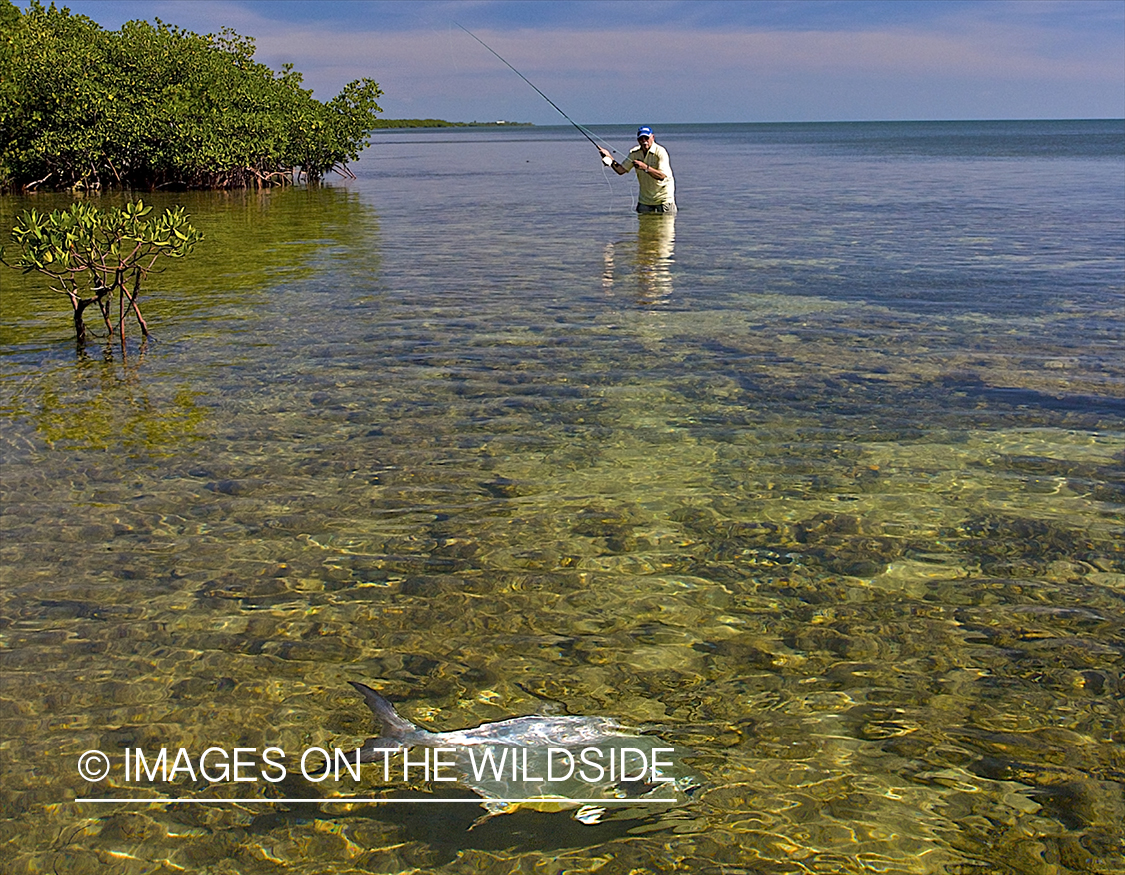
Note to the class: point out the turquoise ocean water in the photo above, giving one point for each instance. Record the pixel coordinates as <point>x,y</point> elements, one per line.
<point>819,481</point>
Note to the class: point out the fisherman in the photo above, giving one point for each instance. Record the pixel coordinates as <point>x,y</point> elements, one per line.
<point>654,173</point>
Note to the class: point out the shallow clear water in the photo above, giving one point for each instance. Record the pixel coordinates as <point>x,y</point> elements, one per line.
<point>821,480</point>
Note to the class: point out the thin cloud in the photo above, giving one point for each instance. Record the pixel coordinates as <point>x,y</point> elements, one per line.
<point>697,61</point>
<point>599,66</point>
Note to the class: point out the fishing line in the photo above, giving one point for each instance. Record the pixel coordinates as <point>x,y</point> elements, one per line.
<point>577,126</point>
<point>609,185</point>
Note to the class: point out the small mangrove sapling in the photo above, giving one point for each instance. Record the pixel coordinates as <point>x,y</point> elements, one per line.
<point>94,254</point>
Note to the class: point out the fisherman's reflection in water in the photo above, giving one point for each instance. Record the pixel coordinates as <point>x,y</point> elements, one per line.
<point>656,237</point>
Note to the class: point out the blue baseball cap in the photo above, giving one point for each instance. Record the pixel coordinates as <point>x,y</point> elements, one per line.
<point>644,132</point>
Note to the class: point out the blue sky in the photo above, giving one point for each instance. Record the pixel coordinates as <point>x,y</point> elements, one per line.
<point>614,61</point>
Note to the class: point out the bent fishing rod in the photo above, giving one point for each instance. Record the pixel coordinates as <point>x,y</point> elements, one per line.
<point>577,126</point>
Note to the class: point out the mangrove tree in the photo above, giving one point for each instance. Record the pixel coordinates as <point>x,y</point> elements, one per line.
<point>94,256</point>
<point>152,105</point>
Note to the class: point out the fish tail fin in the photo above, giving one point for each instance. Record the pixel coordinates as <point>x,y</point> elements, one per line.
<point>384,711</point>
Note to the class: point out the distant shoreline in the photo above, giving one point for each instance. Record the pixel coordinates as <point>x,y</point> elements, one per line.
<point>442,123</point>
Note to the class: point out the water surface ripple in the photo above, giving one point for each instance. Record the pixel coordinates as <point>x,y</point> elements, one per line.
<point>821,481</point>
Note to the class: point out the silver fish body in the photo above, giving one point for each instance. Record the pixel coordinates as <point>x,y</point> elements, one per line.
<point>592,764</point>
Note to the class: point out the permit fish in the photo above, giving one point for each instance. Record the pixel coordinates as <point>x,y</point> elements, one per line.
<point>593,765</point>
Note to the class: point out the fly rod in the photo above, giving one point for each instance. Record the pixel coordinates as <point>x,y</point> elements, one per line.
<point>577,126</point>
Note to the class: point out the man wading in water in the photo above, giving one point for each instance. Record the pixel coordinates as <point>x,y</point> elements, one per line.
<point>654,173</point>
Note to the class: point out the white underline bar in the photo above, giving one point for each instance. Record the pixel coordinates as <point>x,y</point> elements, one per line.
<point>479,801</point>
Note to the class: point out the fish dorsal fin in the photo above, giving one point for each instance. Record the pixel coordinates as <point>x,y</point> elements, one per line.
<point>384,712</point>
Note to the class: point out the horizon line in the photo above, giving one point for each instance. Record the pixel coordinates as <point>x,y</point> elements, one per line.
<point>486,124</point>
